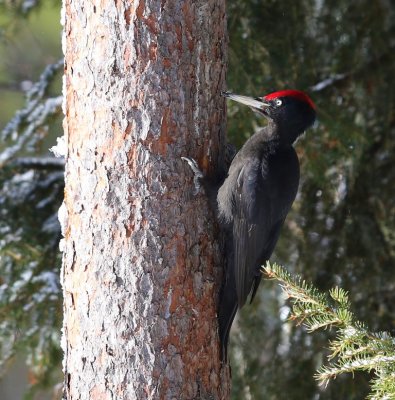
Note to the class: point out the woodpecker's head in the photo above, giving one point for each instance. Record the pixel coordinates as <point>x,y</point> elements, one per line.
<point>291,111</point>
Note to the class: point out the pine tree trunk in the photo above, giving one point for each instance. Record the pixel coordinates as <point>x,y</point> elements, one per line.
<point>142,263</point>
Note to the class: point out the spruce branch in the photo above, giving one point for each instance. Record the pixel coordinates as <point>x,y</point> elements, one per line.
<point>355,348</point>
<point>30,124</point>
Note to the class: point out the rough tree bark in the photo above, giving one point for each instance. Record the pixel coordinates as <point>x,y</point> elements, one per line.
<point>141,259</point>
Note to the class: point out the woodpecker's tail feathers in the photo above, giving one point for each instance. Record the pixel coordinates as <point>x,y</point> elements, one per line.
<point>226,315</point>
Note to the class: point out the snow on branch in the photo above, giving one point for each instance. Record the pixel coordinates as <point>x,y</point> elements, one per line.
<point>27,126</point>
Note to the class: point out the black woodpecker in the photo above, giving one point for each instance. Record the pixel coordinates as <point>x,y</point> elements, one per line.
<point>256,195</point>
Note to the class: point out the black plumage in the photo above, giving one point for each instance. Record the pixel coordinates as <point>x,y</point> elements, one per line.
<point>256,196</point>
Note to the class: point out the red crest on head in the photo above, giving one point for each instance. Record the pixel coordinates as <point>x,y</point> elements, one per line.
<point>291,93</point>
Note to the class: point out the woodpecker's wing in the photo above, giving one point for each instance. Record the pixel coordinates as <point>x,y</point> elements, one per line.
<point>250,227</point>
<point>262,199</point>
<point>273,237</point>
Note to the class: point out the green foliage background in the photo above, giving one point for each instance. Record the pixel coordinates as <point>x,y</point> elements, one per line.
<point>341,228</point>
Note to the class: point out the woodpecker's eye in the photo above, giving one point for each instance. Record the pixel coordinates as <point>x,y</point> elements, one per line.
<point>278,102</point>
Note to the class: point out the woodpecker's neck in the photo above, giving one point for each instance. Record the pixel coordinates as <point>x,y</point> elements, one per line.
<point>285,134</point>
<point>264,141</point>
<point>268,140</point>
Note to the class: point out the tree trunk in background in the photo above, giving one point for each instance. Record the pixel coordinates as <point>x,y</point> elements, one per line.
<point>141,264</point>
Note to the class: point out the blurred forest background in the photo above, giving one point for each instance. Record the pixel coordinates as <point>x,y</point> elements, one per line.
<point>341,230</point>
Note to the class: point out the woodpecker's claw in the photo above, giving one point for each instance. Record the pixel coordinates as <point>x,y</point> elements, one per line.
<point>198,174</point>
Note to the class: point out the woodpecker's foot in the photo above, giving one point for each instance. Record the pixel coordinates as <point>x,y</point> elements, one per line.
<point>198,174</point>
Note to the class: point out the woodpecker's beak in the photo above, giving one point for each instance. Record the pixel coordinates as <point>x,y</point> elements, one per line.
<point>256,104</point>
